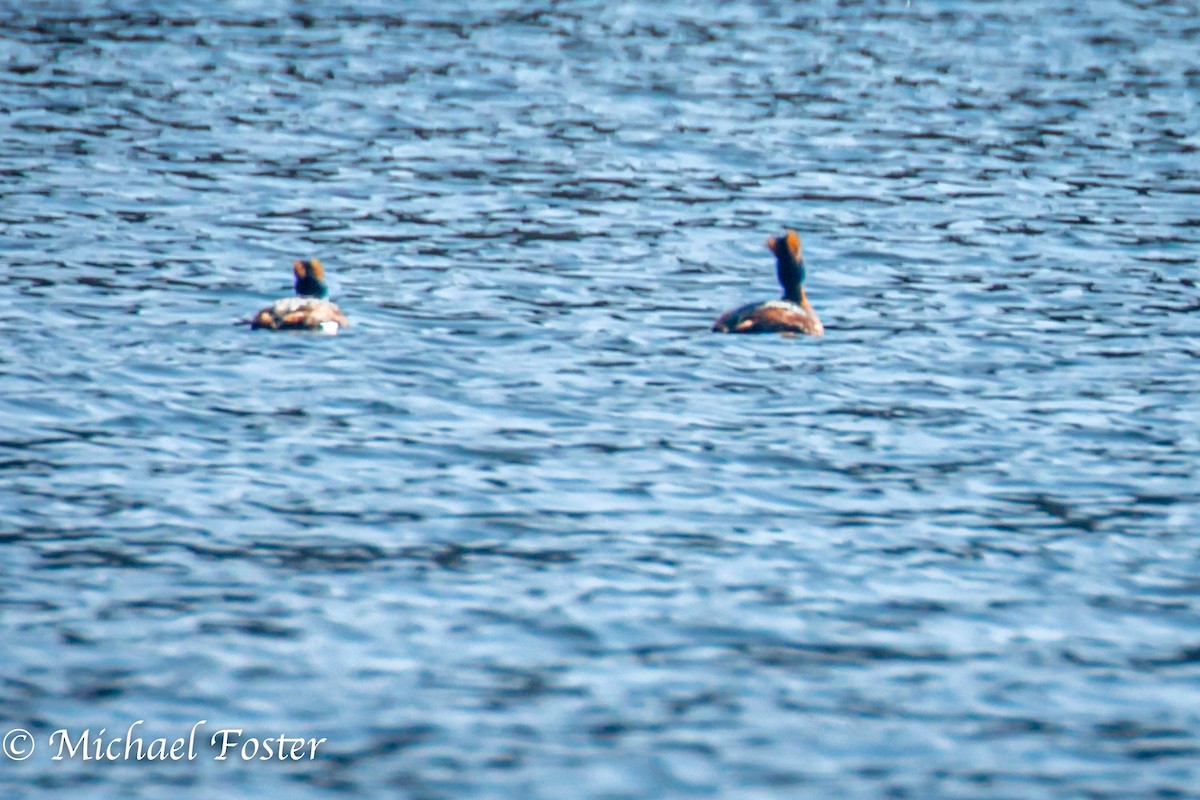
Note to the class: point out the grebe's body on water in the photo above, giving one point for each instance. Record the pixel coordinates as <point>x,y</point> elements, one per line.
<point>790,314</point>
<point>308,310</point>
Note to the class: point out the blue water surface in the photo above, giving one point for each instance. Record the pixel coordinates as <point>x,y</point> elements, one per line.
<point>528,529</point>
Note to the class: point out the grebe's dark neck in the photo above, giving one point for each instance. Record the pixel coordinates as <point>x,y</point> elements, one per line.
<point>791,274</point>
<point>311,288</point>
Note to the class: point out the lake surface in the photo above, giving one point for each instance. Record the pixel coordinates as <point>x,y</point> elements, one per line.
<point>528,529</point>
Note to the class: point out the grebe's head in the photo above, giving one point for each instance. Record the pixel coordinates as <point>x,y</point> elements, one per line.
<point>310,278</point>
<point>789,263</point>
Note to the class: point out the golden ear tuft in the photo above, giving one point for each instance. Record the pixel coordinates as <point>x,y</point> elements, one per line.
<point>793,243</point>
<point>309,269</point>
<point>771,243</point>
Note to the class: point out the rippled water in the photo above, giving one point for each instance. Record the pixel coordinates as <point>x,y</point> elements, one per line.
<point>529,530</point>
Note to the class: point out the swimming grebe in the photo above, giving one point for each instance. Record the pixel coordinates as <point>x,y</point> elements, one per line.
<point>792,313</point>
<point>308,310</point>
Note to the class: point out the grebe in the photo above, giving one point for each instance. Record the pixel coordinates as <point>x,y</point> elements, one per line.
<point>308,310</point>
<point>792,313</point>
